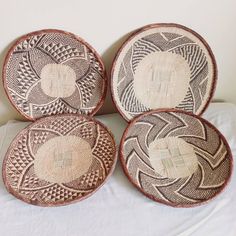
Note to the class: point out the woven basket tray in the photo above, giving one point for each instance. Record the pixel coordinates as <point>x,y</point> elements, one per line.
<point>163,66</point>
<point>59,160</point>
<point>175,158</point>
<point>52,72</point>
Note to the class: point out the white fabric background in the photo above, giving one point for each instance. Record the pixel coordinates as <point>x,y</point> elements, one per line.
<point>118,209</point>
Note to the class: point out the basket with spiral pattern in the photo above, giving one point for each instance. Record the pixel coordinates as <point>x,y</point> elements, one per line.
<point>175,157</point>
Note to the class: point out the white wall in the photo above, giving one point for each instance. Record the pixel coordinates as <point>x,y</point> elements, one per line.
<point>105,24</point>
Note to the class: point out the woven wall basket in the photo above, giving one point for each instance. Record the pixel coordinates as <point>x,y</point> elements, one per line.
<point>175,157</point>
<point>52,72</point>
<point>163,66</point>
<point>59,160</point>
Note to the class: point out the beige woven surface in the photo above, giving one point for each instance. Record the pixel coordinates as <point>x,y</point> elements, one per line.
<point>58,80</point>
<point>161,80</point>
<point>172,157</point>
<point>63,159</point>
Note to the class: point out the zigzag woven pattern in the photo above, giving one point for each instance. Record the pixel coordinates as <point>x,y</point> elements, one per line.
<point>213,157</point>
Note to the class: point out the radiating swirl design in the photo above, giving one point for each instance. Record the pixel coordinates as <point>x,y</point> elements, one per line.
<point>20,175</point>
<point>214,159</point>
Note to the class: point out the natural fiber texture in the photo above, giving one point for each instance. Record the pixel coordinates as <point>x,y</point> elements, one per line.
<point>163,66</point>
<point>175,157</point>
<point>172,157</point>
<point>52,72</point>
<point>58,160</point>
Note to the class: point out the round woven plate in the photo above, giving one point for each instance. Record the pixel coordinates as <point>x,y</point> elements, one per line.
<point>59,160</point>
<point>163,66</point>
<point>175,157</point>
<point>52,72</point>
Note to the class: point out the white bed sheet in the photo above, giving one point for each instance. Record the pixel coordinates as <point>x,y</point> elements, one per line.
<point>118,209</point>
